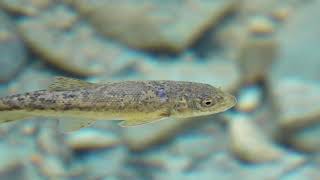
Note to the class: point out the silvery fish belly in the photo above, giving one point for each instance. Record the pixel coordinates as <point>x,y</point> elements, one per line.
<point>132,102</point>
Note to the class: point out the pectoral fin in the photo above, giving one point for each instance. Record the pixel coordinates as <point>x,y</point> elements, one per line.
<point>137,122</point>
<point>73,124</point>
<point>131,123</point>
<point>138,119</point>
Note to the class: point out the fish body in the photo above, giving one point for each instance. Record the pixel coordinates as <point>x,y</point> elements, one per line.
<point>135,102</point>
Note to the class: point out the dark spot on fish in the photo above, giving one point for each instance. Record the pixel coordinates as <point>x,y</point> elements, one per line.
<point>65,95</point>
<point>68,95</point>
<point>38,106</point>
<point>42,99</point>
<point>50,101</point>
<point>67,106</point>
<point>81,108</point>
<point>160,92</point>
<point>21,98</point>
<point>33,98</point>
<point>12,105</point>
<point>41,108</point>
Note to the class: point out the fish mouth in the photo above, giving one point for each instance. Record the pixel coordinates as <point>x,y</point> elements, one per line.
<point>229,102</point>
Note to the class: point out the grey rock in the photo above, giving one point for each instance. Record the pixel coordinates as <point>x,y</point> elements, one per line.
<point>171,25</point>
<point>37,150</point>
<point>11,166</point>
<point>64,40</point>
<point>36,76</point>
<point>106,163</point>
<point>89,138</point>
<point>12,50</point>
<point>249,98</point>
<point>297,105</point>
<point>249,143</point>
<point>25,7</point>
<point>306,139</point>
<point>299,53</point>
<point>220,163</point>
<point>309,171</point>
<point>298,102</point>
<point>217,71</point>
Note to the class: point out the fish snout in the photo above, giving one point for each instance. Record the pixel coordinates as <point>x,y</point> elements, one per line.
<point>229,102</point>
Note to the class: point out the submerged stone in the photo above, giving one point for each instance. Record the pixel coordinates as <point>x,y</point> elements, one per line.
<point>12,50</point>
<point>155,25</point>
<point>67,42</point>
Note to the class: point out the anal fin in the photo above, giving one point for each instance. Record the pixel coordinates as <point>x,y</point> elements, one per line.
<point>73,124</point>
<point>8,116</point>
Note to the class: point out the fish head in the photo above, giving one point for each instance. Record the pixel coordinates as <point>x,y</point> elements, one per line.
<point>203,99</point>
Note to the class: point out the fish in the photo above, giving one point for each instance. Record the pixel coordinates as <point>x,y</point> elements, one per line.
<point>77,103</point>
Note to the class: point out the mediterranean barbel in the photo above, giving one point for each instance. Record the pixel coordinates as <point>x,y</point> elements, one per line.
<point>133,102</point>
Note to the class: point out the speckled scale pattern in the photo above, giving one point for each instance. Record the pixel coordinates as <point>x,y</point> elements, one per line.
<point>142,96</point>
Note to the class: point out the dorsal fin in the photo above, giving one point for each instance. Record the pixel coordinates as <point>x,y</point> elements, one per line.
<point>67,84</point>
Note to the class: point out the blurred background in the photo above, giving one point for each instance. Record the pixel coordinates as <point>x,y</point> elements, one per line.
<point>265,52</point>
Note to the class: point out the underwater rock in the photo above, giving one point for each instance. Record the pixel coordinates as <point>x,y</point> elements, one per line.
<point>25,7</point>
<point>222,165</point>
<point>298,102</point>
<point>219,72</point>
<point>51,143</point>
<point>52,167</point>
<point>88,138</point>
<point>39,149</point>
<point>261,25</point>
<point>251,42</point>
<point>12,50</point>
<point>310,171</point>
<point>282,13</point>
<point>69,43</point>
<point>155,25</point>
<point>36,76</point>
<point>299,53</point>
<point>298,108</point>
<point>185,151</point>
<point>192,146</point>
<point>200,171</point>
<point>248,143</point>
<point>275,170</point>
<point>141,137</point>
<point>249,98</point>
<point>306,139</point>
<point>258,50</point>
<point>11,166</point>
<point>104,163</point>
<point>253,7</point>
<point>164,160</point>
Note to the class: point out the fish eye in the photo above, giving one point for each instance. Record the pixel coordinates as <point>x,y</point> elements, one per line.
<point>207,102</point>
